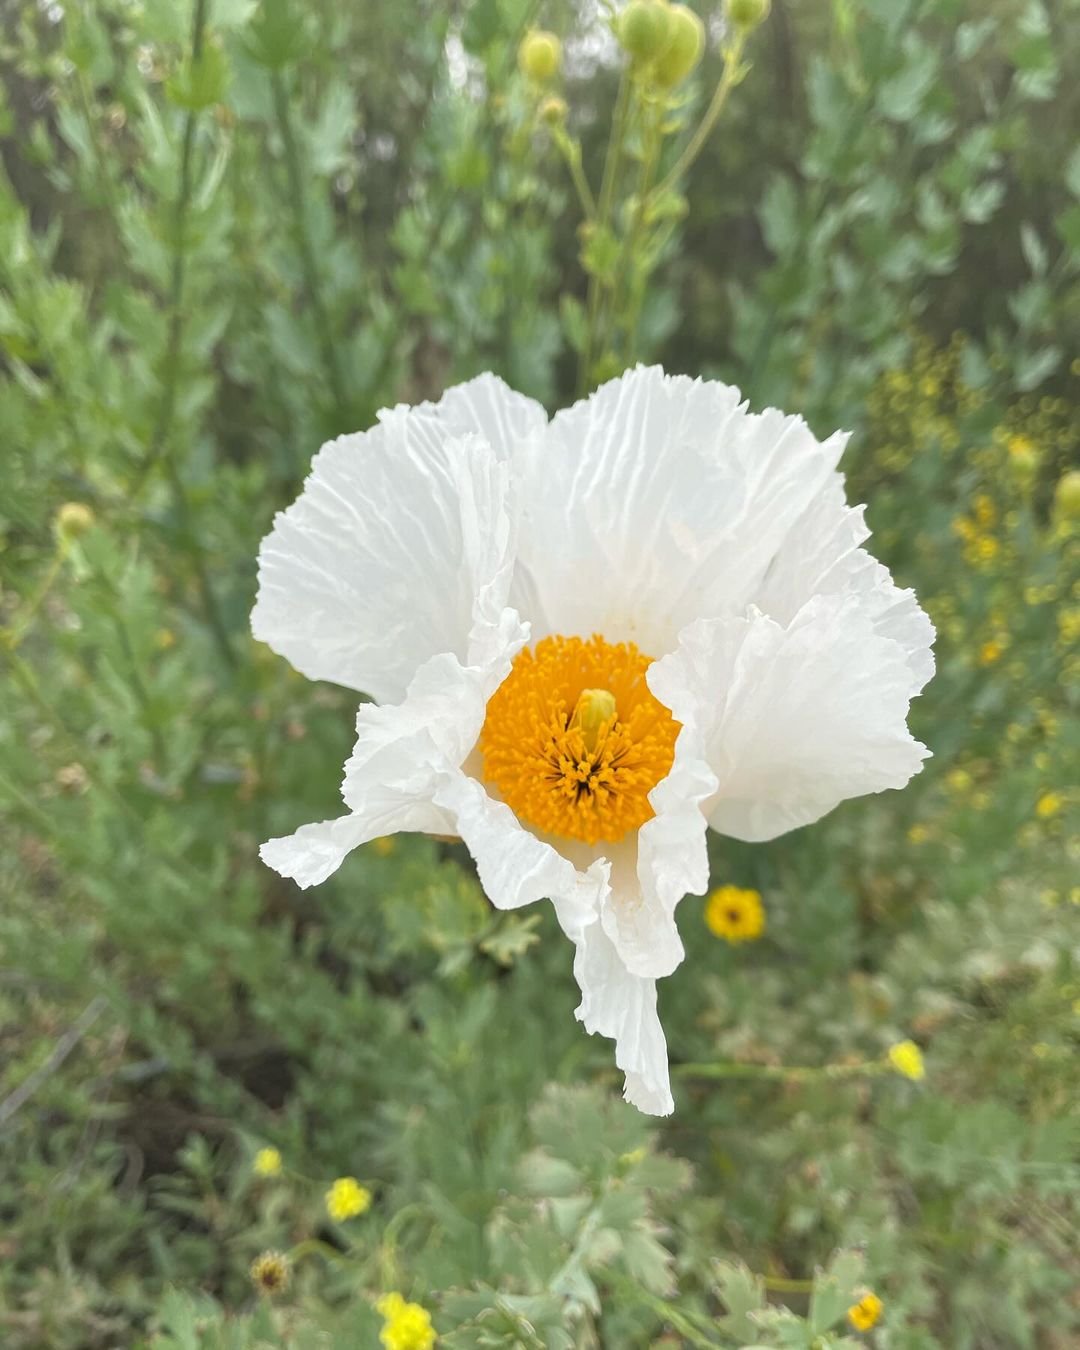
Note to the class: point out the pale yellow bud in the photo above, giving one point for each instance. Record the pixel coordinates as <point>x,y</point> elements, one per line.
<point>685,49</point>
<point>73,520</point>
<point>747,13</point>
<point>540,55</point>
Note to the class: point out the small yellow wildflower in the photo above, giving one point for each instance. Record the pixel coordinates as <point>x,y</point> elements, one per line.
<point>990,652</point>
<point>407,1326</point>
<point>270,1272</point>
<point>906,1058</point>
<point>985,510</point>
<point>1069,625</point>
<point>346,1199</point>
<point>384,846</point>
<point>267,1163</point>
<point>866,1313</point>
<point>986,548</point>
<point>1048,805</point>
<point>918,834</point>
<point>734,914</point>
<point>959,781</point>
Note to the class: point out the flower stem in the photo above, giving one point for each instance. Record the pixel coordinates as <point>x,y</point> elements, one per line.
<point>171,373</point>
<point>571,153</point>
<point>783,1072</point>
<point>297,201</point>
<point>603,213</point>
<point>21,622</point>
<point>779,1284</point>
<point>634,239</point>
<point>733,73</point>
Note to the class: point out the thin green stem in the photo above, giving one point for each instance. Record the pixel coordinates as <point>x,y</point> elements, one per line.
<point>21,624</point>
<point>783,1072</point>
<point>634,240</point>
<point>174,340</point>
<point>571,152</point>
<point>87,110</point>
<point>171,375</point>
<point>780,1285</point>
<point>316,1247</point>
<point>733,73</point>
<point>297,202</point>
<point>666,1311</point>
<point>141,692</point>
<point>603,214</point>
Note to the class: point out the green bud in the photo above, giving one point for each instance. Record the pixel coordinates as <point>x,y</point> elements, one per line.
<point>540,56</point>
<point>553,111</point>
<point>684,52</point>
<point>72,521</point>
<point>1067,495</point>
<point>644,29</point>
<point>747,13</point>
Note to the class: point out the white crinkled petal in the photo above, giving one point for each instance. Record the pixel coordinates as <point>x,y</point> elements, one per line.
<point>668,500</point>
<point>622,1006</point>
<point>514,866</point>
<point>315,852</point>
<point>398,548</point>
<point>403,753</point>
<point>821,556</point>
<point>668,859</point>
<point>800,717</point>
<point>484,406</point>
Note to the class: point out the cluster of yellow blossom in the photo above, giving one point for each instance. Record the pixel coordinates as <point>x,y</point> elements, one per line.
<point>407,1326</point>
<point>976,531</point>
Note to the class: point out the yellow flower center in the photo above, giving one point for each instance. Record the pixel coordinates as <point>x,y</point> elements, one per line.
<point>575,742</point>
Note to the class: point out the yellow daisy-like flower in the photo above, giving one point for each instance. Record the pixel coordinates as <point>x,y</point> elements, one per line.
<point>1048,805</point>
<point>267,1163</point>
<point>906,1058</point>
<point>734,914</point>
<point>270,1272</point>
<point>407,1325</point>
<point>346,1199</point>
<point>866,1313</point>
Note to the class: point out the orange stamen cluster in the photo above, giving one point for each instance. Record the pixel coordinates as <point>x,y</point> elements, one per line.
<point>574,742</point>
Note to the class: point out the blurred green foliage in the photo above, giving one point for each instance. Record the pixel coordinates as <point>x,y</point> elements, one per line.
<point>230,230</point>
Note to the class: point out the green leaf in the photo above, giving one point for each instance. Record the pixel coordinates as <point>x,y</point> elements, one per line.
<point>779,214</point>
<point>202,83</point>
<point>1072,172</point>
<point>513,937</point>
<point>900,98</point>
<point>1034,367</point>
<point>1033,249</point>
<point>835,1290</point>
<point>979,203</point>
<point>742,1293</point>
<point>600,252</point>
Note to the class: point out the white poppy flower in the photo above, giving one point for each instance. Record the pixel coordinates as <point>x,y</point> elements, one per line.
<point>588,639</point>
